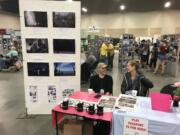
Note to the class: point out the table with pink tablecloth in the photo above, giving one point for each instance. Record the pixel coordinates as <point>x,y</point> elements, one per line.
<point>58,112</point>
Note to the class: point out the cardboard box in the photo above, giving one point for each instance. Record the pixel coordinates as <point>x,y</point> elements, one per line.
<point>73,127</point>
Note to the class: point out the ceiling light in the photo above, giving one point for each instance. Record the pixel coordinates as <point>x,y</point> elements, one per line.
<point>167,4</point>
<point>122,7</point>
<point>69,0</point>
<point>84,9</point>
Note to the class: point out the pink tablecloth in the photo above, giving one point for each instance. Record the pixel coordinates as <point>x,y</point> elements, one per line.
<point>84,96</point>
<point>72,111</point>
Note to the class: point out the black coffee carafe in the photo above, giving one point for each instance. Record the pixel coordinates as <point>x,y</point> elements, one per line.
<point>64,104</point>
<point>100,110</point>
<point>79,106</point>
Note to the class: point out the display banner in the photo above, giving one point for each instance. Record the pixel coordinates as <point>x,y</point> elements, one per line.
<point>135,126</point>
<point>51,51</point>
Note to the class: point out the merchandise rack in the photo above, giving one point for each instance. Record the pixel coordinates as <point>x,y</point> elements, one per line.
<point>126,51</point>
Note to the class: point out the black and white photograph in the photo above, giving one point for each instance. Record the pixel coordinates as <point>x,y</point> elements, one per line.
<point>33,94</point>
<point>64,46</point>
<point>64,69</point>
<point>52,94</point>
<point>37,45</point>
<point>126,102</point>
<point>64,19</point>
<point>38,69</point>
<point>35,19</point>
<point>107,101</point>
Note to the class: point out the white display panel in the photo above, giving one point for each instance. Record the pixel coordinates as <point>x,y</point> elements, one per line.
<point>42,90</point>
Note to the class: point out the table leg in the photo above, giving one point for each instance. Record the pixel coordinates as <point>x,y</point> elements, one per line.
<point>56,117</point>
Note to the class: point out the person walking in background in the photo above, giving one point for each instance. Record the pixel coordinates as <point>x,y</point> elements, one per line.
<point>154,56</point>
<point>103,52</point>
<point>135,80</point>
<point>144,48</point>
<point>110,55</point>
<point>162,57</point>
<point>148,43</point>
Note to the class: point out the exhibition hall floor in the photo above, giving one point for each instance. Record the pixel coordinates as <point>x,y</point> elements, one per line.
<point>12,102</point>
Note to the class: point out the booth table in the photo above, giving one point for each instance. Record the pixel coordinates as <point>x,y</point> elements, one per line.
<point>58,113</point>
<point>159,123</point>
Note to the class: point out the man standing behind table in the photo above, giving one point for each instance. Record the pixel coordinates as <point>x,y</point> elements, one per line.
<point>102,81</point>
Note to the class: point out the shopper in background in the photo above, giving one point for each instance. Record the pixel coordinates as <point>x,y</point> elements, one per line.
<point>162,57</point>
<point>91,59</point>
<point>110,55</point>
<point>102,81</point>
<point>88,66</point>
<point>135,80</point>
<point>12,52</point>
<point>103,52</point>
<point>148,43</point>
<point>154,56</point>
<point>174,53</point>
<point>144,49</point>
<point>11,57</point>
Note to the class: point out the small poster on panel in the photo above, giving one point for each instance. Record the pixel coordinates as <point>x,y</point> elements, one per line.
<point>33,94</point>
<point>52,94</point>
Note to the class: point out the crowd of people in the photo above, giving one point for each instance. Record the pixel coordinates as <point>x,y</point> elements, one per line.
<point>101,52</point>
<point>155,56</point>
<point>107,54</point>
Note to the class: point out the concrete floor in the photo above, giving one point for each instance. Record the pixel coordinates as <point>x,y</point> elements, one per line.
<point>12,102</point>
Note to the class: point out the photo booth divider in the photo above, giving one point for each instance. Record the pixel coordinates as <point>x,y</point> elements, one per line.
<point>48,76</point>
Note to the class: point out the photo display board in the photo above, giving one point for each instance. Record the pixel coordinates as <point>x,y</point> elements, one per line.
<point>51,52</point>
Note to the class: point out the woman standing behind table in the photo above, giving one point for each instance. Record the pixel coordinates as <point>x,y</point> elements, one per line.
<point>135,80</point>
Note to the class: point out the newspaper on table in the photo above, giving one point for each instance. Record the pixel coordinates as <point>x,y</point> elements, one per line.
<point>126,103</point>
<point>108,102</point>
